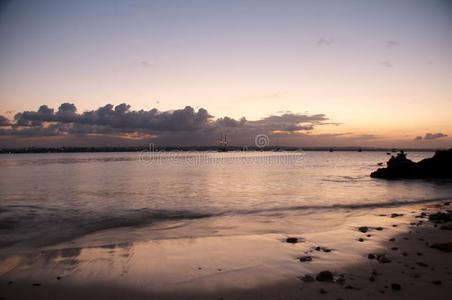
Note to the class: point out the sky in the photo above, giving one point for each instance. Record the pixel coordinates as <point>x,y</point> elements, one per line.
<point>305,73</point>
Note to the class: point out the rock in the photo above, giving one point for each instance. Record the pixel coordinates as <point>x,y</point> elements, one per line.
<point>394,248</point>
<point>445,247</point>
<point>322,291</point>
<point>371,279</point>
<point>396,286</point>
<point>383,259</point>
<point>396,215</point>
<point>437,282</point>
<point>361,239</point>
<point>392,240</point>
<point>324,249</point>
<point>58,277</point>
<point>422,215</point>
<point>325,276</point>
<point>371,256</point>
<point>439,166</point>
<point>440,217</point>
<point>305,258</point>
<point>379,228</point>
<point>36,284</point>
<point>363,229</point>
<point>292,240</point>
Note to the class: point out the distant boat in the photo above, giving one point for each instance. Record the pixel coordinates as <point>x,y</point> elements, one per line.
<point>223,144</point>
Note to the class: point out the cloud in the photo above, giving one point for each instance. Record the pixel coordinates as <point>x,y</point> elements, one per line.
<point>434,136</point>
<point>324,42</point>
<point>392,43</point>
<point>117,117</point>
<point>387,64</point>
<point>430,136</point>
<point>145,63</point>
<point>185,126</point>
<point>4,121</point>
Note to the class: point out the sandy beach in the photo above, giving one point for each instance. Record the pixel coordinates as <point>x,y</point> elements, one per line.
<point>382,253</point>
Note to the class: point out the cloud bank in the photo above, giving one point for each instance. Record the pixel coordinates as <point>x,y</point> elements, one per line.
<point>185,126</point>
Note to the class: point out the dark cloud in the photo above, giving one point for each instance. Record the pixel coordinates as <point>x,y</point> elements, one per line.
<point>181,126</point>
<point>118,117</point>
<point>4,121</point>
<point>434,136</point>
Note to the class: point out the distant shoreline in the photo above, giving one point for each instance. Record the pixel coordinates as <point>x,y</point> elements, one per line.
<point>202,148</point>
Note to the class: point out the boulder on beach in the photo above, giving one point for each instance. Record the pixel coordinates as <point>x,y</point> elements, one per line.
<point>399,167</point>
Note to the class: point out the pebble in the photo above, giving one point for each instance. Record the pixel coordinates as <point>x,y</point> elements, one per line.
<point>383,259</point>
<point>363,229</point>
<point>305,258</point>
<point>396,215</point>
<point>292,240</point>
<point>325,276</point>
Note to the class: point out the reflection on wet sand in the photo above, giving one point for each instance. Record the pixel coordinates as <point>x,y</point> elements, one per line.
<point>345,261</point>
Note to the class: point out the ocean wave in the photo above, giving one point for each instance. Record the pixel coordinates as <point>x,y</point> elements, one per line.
<point>38,226</point>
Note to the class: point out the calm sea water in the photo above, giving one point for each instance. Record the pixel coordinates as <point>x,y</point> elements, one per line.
<point>49,198</point>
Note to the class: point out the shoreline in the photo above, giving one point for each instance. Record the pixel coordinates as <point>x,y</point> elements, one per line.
<point>225,266</point>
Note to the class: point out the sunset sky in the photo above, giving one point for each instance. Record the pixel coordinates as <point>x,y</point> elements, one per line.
<point>309,73</point>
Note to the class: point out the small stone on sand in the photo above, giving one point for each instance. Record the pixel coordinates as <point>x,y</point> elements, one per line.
<point>292,240</point>
<point>363,229</point>
<point>325,276</point>
<point>305,258</point>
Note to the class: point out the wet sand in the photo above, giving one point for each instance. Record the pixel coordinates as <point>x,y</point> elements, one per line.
<point>383,253</point>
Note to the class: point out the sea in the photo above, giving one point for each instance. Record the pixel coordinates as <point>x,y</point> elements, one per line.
<point>46,199</point>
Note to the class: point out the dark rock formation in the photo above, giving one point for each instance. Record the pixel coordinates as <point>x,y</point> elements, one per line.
<point>399,167</point>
